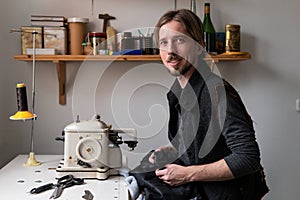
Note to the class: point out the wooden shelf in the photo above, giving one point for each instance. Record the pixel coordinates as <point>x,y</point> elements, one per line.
<point>238,56</point>
<point>67,58</point>
<point>60,62</point>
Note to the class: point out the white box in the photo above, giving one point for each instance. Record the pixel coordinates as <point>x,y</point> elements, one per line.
<point>40,51</point>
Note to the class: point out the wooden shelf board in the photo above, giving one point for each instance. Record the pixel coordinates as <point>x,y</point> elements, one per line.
<point>89,57</point>
<point>217,58</point>
<point>238,56</point>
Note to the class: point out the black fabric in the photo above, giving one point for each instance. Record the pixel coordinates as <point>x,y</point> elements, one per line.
<point>155,189</point>
<point>253,186</point>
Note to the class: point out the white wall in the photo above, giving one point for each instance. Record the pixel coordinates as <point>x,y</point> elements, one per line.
<point>268,83</point>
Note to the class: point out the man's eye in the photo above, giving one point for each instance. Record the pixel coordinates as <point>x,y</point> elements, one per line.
<point>163,43</point>
<point>180,40</point>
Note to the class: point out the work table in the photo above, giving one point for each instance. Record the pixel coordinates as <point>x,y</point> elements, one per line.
<point>17,180</point>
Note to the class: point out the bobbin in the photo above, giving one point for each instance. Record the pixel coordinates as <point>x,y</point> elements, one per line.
<point>23,113</point>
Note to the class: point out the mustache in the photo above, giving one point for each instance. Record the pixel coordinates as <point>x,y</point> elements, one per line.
<point>173,57</point>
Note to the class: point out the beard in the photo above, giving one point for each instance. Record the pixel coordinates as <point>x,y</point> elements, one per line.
<point>181,71</point>
<point>178,70</point>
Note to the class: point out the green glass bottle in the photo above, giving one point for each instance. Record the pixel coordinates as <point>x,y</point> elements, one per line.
<point>209,30</point>
<point>193,6</point>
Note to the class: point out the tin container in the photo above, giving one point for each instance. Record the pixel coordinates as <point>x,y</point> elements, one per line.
<point>56,38</point>
<point>232,38</point>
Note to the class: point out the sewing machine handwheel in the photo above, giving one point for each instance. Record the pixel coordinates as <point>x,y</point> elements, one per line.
<point>88,150</point>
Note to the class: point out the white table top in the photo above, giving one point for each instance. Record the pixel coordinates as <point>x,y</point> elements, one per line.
<point>17,180</point>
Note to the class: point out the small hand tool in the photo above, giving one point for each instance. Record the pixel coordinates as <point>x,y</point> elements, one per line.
<point>42,188</point>
<point>64,182</point>
<point>88,195</point>
<point>105,18</point>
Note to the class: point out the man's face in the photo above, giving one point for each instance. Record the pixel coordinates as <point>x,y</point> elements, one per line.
<point>178,51</point>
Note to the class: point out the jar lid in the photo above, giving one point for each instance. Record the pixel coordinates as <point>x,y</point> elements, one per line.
<point>97,34</point>
<point>127,34</point>
<point>232,25</point>
<point>78,19</point>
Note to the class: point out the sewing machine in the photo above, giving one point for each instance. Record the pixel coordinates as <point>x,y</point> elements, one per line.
<point>91,149</point>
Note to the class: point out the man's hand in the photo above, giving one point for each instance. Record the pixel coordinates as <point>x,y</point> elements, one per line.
<point>165,149</point>
<point>173,174</point>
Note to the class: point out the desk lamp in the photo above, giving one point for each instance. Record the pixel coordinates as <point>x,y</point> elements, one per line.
<point>23,113</point>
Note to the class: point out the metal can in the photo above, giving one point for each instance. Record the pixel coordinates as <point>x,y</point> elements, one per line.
<point>232,38</point>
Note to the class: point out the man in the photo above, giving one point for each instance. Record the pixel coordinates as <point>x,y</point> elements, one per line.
<point>209,127</point>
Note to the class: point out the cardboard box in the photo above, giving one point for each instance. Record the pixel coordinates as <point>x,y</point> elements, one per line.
<point>56,38</point>
<point>27,37</point>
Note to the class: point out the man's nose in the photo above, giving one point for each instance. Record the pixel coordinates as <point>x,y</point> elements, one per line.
<point>172,48</point>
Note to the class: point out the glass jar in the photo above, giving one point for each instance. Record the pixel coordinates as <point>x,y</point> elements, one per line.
<point>98,41</point>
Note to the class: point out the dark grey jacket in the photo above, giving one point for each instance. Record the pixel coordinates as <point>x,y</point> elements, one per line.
<point>208,122</point>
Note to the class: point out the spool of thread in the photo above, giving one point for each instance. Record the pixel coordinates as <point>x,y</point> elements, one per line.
<point>22,97</point>
<point>22,103</point>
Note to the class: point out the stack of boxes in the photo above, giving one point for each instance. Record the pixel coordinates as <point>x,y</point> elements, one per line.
<point>51,37</point>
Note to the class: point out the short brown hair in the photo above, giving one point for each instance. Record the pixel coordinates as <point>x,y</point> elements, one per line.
<point>191,22</point>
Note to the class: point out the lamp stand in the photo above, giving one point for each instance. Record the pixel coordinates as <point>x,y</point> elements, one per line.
<point>31,160</point>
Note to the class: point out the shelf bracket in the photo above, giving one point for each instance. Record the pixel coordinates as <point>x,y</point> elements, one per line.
<point>61,76</point>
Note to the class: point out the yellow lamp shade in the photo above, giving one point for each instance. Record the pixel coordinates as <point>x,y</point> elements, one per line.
<point>22,115</point>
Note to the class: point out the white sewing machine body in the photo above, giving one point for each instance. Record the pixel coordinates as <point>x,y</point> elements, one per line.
<point>91,149</point>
